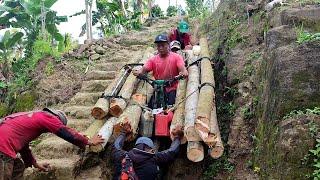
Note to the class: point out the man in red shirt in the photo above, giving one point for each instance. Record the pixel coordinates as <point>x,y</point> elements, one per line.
<point>19,129</point>
<point>181,34</point>
<point>165,65</point>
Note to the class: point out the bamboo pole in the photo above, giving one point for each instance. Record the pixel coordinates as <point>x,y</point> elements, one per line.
<point>133,112</point>
<point>206,95</point>
<point>105,132</point>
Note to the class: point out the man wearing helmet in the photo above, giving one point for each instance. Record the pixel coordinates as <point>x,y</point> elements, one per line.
<point>144,156</point>
<point>181,34</point>
<point>19,129</point>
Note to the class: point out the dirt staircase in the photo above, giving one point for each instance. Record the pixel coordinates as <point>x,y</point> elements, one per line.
<point>63,156</point>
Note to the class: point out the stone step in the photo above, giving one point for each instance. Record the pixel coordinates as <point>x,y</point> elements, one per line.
<point>94,173</point>
<point>85,98</point>
<point>55,147</point>
<point>79,112</point>
<point>79,124</point>
<point>62,169</point>
<point>109,66</point>
<point>100,75</point>
<point>95,85</point>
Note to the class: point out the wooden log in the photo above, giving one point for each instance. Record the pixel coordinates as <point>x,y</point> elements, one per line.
<point>206,95</point>
<point>101,108</point>
<point>178,116</point>
<point>217,150</point>
<point>94,128</point>
<point>105,132</point>
<point>133,112</point>
<point>117,105</point>
<point>192,101</point>
<point>195,152</point>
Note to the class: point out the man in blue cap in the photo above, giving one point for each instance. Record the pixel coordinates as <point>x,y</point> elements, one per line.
<point>181,34</point>
<point>144,156</point>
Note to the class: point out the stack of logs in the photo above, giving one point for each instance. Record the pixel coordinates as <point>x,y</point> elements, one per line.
<point>195,108</point>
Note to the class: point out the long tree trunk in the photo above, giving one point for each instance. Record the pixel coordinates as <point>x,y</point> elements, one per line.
<point>205,102</point>
<point>133,112</point>
<point>87,19</point>
<point>123,8</point>
<point>105,132</point>
<point>192,101</point>
<point>90,20</point>
<point>217,150</point>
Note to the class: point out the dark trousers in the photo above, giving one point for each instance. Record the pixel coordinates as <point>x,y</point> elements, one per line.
<point>170,99</point>
<point>11,168</point>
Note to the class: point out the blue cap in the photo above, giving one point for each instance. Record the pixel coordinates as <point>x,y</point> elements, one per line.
<point>161,38</point>
<point>145,140</point>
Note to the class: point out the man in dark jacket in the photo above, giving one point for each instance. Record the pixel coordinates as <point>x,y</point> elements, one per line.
<point>145,159</point>
<point>19,129</point>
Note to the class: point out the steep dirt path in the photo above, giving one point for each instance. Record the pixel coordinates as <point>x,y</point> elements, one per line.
<point>62,155</point>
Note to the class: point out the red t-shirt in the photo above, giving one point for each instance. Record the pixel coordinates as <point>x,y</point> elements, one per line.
<point>184,39</point>
<point>16,133</point>
<point>165,68</point>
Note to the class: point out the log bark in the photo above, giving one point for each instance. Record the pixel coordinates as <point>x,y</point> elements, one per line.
<point>146,124</point>
<point>195,152</point>
<point>133,112</point>
<point>178,116</point>
<point>105,132</point>
<point>192,101</point>
<point>206,95</point>
<point>94,128</point>
<point>217,150</point>
<point>117,105</point>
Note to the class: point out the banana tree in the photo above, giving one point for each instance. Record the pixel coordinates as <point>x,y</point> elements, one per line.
<point>7,44</point>
<point>28,15</point>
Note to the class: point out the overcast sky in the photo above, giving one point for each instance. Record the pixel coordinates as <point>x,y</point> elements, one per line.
<point>73,26</point>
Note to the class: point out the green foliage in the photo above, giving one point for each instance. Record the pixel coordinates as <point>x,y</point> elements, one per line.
<point>27,15</point>
<point>221,164</point>
<point>234,36</point>
<point>112,19</point>
<point>232,91</point>
<point>303,36</point>
<point>254,56</point>
<point>3,85</point>
<point>247,113</point>
<point>229,108</point>
<point>313,157</point>
<point>49,70</point>
<point>3,110</point>
<point>294,113</point>
<point>195,7</point>
<point>24,102</point>
<point>172,11</point>
<point>156,11</point>
<point>248,70</point>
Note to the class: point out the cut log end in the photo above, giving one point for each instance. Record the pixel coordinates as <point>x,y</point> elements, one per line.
<point>139,98</point>
<point>195,152</point>
<point>115,110</point>
<point>216,152</point>
<point>101,108</point>
<point>98,113</point>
